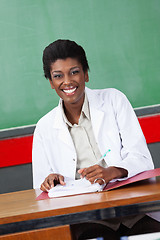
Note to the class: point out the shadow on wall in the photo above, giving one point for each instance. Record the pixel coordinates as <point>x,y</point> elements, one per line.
<point>155,152</point>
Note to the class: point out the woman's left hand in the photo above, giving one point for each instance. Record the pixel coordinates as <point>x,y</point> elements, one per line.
<point>97,172</point>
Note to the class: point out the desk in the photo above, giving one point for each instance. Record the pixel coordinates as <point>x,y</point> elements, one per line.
<point>21,215</point>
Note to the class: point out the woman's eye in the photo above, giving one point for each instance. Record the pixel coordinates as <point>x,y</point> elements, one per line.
<point>57,76</point>
<point>75,72</point>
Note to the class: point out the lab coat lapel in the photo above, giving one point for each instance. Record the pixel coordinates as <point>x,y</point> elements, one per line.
<point>96,119</point>
<point>97,115</point>
<point>63,132</point>
<point>65,137</point>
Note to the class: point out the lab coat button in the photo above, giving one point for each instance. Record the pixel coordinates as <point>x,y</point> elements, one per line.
<point>74,159</point>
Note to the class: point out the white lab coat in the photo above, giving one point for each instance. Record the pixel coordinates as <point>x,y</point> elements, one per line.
<point>115,127</point>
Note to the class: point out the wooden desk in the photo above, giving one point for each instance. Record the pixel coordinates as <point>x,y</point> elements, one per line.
<point>22,216</point>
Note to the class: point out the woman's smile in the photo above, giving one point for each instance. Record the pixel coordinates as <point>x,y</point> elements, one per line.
<point>70,91</point>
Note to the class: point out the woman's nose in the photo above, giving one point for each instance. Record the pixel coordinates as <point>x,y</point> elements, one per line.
<point>67,79</point>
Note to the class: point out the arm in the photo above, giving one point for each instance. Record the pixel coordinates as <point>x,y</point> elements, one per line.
<point>135,155</point>
<point>122,133</point>
<point>43,176</point>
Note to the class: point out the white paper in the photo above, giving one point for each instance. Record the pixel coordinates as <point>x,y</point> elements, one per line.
<point>147,236</point>
<point>73,187</point>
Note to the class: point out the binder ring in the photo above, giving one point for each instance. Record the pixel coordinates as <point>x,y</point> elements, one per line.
<point>104,182</point>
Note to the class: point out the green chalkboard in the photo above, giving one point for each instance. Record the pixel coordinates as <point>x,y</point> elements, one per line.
<point>121,38</point>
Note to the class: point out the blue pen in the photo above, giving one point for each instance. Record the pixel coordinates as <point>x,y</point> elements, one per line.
<point>103,155</point>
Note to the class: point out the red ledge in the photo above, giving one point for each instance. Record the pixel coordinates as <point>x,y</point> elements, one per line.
<point>16,151</point>
<point>151,128</point>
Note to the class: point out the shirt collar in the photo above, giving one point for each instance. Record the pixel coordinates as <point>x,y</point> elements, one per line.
<point>85,107</point>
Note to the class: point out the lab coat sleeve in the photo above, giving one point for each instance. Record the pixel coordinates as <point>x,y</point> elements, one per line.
<point>40,165</point>
<point>135,155</point>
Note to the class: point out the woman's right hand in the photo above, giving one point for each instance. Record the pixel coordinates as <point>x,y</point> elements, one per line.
<point>51,181</point>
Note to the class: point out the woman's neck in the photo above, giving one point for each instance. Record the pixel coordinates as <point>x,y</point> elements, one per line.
<point>73,112</point>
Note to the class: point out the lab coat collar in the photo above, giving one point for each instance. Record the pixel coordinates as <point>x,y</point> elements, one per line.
<point>60,125</point>
<point>95,103</point>
<point>94,98</point>
<point>58,121</point>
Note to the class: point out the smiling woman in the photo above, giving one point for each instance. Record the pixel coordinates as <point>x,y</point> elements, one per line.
<point>66,66</point>
<point>68,79</point>
<point>70,139</point>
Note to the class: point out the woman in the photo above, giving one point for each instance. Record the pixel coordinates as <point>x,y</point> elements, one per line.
<point>71,138</point>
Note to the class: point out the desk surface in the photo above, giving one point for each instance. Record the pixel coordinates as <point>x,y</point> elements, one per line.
<point>22,206</point>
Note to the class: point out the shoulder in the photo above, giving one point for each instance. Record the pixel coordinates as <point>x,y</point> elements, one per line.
<point>47,120</point>
<point>109,94</point>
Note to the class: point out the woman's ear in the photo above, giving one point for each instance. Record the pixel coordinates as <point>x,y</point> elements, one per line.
<point>86,76</point>
<point>51,83</point>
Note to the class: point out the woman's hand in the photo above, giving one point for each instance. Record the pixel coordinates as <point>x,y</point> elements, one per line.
<point>51,181</point>
<point>96,172</point>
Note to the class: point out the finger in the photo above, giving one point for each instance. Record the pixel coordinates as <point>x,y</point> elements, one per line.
<point>61,180</point>
<point>51,181</point>
<point>46,184</point>
<point>101,182</point>
<point>81,172</point>
<point>91,179</point>
<point>96,180</point>
<point>92,174</point>
<point>86,171</point>
<point>92,171</point>
<point>43,188</point>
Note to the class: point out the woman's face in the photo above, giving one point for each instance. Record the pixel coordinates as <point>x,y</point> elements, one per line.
<point>68,79</point>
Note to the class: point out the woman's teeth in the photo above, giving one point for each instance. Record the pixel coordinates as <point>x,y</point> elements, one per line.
<point>69,90</point>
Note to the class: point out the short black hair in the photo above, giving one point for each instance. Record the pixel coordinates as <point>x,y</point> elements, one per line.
<point>63,49</point>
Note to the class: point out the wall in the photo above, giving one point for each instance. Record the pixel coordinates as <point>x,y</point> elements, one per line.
<point>121,39</point>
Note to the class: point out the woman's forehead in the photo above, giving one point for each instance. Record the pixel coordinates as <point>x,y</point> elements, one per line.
<point>62,64</point>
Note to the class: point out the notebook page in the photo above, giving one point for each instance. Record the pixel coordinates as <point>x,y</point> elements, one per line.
<point>73,187</point>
